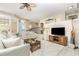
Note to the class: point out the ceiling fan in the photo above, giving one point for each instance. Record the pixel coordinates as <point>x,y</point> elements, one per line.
<point>28,6</point>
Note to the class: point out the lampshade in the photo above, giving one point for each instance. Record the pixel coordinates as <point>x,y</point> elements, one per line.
<point>30,26</point>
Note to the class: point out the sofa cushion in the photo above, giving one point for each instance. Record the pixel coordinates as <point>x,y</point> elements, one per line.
<point>1,45</point>
<point>12,42</point>
<point>21,50</point>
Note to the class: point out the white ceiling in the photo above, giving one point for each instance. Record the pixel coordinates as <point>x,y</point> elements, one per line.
<point>41,11</point>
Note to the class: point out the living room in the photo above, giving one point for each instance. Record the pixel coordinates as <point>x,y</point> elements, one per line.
<point>38,29</point>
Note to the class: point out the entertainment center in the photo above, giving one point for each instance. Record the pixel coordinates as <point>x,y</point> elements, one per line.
<point>58,36</point>
<point>62,40</point>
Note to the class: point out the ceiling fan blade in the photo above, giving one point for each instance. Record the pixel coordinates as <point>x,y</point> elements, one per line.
<point>29,8</point>
<point>32,4</point>
<point>22,7</point>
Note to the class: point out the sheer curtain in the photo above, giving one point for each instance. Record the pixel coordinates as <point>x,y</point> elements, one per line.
<point>22,26</point>
<point>22,29</point>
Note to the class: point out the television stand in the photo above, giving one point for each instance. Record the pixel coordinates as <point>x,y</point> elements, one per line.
<point>62,40</point>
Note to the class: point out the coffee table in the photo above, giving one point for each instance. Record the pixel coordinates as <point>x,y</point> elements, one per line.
<point>35,44</point>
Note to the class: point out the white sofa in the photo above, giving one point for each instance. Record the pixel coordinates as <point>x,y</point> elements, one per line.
<point>13,47</point>
<point>22,50</point>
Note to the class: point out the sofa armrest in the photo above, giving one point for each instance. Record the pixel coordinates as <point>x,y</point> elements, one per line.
<point>22,50</point>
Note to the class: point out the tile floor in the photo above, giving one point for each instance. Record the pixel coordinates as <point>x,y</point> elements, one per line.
<point>52,49</point>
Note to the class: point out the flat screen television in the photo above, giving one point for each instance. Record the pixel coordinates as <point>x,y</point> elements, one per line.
<point>58,31</point>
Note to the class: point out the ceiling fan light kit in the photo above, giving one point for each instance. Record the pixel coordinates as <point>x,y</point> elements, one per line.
<point>28,6</point>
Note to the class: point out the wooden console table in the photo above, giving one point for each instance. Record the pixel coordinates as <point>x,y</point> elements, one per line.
<point>35,44</point>
<point>62,40</point>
